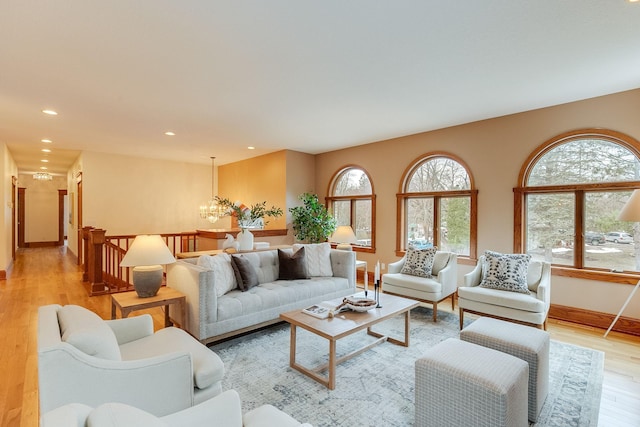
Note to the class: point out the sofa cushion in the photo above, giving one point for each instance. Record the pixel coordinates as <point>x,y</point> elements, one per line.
<point>507,272</point>
<point>419,262</point>
<point>87,332</point>
<point>440,261</point>
<point>207,366</point>
<point>120,415</point>
<point>292,266</point>
<point>318,257</point>
<point>221,266</point>
<point>516,300</point>
<point>246,275</point>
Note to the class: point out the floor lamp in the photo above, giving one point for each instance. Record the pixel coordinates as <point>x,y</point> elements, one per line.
<point>629,212</point>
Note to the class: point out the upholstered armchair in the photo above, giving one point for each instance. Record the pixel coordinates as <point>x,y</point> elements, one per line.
<point>441,285</point>
<point>84,359</point>
<point>530,307</point>
<point>222,410</point>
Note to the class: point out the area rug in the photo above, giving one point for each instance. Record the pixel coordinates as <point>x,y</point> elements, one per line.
<point>376,388</point>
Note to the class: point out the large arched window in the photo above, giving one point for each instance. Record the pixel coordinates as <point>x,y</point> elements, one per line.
<point>352,202</point>
<point>572,189</point>
<point>437,206</point>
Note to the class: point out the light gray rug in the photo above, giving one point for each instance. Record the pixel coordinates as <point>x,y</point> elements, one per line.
<point>376,388</point>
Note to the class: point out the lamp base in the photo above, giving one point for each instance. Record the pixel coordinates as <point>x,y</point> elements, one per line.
<point>344,247</point>
<point>147,280</point>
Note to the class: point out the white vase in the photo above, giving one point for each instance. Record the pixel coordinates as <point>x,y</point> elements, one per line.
<point>245,239</point>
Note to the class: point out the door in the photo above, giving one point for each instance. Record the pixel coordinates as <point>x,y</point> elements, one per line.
<point>21,204</point>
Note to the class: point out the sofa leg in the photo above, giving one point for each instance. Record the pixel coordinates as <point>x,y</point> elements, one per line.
<point>461,318</point>
<point>435,311</point>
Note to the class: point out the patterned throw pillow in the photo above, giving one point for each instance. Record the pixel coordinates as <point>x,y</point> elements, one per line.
<point>507,272</point>
<point>419,262</point>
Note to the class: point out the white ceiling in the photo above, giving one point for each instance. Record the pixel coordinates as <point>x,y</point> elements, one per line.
<point>311,76</point>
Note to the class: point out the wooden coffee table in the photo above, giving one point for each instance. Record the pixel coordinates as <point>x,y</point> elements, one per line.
<point>345,324</point>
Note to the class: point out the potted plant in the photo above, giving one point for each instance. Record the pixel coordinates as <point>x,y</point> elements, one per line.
<point>249,217</point>
<point>312,223</point>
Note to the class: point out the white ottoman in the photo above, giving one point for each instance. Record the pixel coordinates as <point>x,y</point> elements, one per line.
<point>525,342</point>
<point>463,384</point>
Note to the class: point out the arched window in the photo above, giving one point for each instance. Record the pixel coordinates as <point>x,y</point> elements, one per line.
<point>437,206</point>
<point>352,202</point>
<point>572,189</point>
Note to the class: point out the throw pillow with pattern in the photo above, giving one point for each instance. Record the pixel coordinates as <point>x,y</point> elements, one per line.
<point>419,262</point>
<point>507,272</point>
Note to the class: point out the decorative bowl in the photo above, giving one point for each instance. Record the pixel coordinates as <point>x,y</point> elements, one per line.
<point>360,304</point>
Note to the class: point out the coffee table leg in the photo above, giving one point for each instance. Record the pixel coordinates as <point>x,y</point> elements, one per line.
<point>406,327</point>
<point>292,351</point>
<point>332,364</point>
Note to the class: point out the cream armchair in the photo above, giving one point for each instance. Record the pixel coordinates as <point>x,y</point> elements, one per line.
<point>531,308</point>
<point>222,410</point>
<point>84,359</point>
<point>441,286</point>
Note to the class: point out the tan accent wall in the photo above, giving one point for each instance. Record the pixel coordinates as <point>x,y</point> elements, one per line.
<point>9,169</point>
<point>494,150</point>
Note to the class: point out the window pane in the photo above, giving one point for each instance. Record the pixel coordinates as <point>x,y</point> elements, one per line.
<point>352,182</point>
<point>439,174</point>
<point>608,242</point>
<point>585,161</point>
<point>419,223</point>
<point>550,227</point>
<point>342,212</point>
<point>363,222</point>
<point>455,214</point>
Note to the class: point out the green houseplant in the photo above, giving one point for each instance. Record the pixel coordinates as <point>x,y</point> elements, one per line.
<point>312,222</point>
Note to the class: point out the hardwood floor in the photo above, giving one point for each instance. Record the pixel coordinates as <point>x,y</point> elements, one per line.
<point>43,276</point>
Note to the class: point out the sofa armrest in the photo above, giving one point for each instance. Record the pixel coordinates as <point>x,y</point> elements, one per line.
<point>160,385</point>
<point>395,267</point>
<point>343,264</point>
<point>475,276</point>
<point>544,287</point>
<point>267,416</point>
<point>131,328</point>
<point>197,284</point>
<point>225,407</point>
<point>448,276</point>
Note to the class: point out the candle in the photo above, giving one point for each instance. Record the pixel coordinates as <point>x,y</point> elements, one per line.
<point>377,273</point>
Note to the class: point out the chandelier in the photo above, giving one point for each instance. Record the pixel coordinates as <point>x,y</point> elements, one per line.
<point>42,176</point>
<point>211,210</point>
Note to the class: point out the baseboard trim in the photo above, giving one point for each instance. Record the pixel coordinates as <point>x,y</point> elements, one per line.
<point>595,319</point>
<point>41,244</point>
<point>3,275</point>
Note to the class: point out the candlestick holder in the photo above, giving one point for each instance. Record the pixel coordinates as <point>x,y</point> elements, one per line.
<point>376,290</point>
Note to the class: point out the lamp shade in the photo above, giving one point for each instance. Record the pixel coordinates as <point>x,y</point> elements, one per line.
<point>631,210</point>
<point>344,236</point>
<point>147,250</point>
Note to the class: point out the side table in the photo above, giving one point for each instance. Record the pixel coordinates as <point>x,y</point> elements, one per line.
<point>130,301</point>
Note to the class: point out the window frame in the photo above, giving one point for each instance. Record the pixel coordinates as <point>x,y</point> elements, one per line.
<point>403,196</point>
<point>578,270</point>
<point>331,198</point>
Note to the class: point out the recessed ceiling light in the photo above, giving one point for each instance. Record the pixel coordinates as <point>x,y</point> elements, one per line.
<point>46,141</point>
<point>169,133</point>
<point>45,150</point>
<point>44,161</point>
<point>251,148</point>
<point>44,168</point>
<point>50,112</point>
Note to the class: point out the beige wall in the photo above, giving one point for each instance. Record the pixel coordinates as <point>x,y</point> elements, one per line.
<point>132,195</point>
<point>41,208</point>
<point>494,150</point>
<point>9,170</point>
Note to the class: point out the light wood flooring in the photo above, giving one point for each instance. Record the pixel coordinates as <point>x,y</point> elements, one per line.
<point>43,276</point>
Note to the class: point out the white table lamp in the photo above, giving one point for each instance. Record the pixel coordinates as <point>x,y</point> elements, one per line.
<point>630,212</point>
<point>146,255</point>
<point>344,237</point>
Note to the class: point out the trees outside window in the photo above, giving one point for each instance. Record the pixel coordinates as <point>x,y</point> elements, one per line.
<point>352,202</point>
<point>437,206</point>
<point>572,190</point>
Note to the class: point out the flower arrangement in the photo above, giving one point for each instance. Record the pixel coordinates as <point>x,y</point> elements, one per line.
<point>252,216</point>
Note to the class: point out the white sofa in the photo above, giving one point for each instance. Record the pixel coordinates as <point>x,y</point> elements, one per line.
<point>85,359</point>
<point>442,285</point>
<point>211,317</point>
<point>222,410</point>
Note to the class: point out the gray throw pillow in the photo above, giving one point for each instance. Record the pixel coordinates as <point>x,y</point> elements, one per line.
<point>246,275</point>
<point>292,266</point>
<point>507,272</point>
<point>419,262</point>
